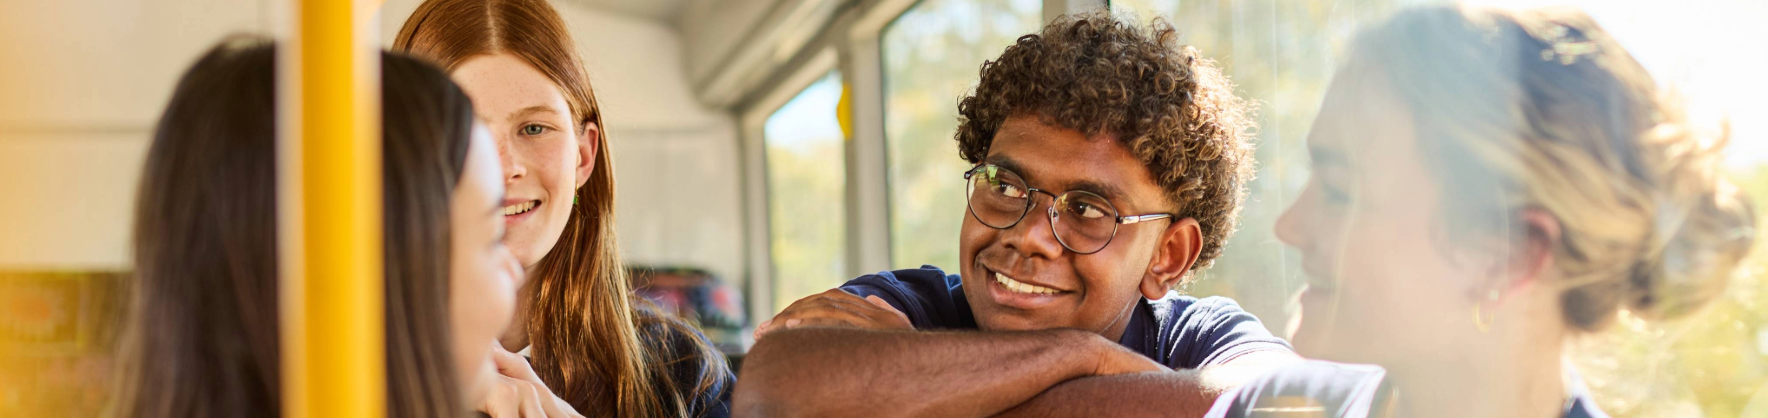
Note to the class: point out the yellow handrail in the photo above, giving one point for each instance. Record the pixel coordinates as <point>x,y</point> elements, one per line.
<point>330,189</point>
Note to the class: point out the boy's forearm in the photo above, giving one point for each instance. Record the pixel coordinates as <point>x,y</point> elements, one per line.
<point>848,372</point>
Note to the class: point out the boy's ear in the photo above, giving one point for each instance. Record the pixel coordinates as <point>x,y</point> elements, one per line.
<point>1177,250</point>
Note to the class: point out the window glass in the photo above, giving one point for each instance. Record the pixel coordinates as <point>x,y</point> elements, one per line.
<point>931,57</point>
<point>806,186</point>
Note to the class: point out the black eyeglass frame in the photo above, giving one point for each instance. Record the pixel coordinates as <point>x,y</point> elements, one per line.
<point>1054,215</point>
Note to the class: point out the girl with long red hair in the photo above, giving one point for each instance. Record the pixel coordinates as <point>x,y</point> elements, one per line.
<point>576,316</point>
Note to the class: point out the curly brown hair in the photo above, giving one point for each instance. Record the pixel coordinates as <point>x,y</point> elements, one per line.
<point>1174,110</point>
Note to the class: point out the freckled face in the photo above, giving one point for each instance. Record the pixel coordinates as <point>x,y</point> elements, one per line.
<point>545,155</point>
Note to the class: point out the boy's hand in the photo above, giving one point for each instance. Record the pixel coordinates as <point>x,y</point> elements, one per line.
<point>837,308</point>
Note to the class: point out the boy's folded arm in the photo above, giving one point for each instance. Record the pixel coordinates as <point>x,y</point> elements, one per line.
<point>855,372</point>
<point>1176,393</point>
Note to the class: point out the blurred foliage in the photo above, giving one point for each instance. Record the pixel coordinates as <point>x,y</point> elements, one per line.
<point>1713,363</point>
<point>1281,56</point>
<point>931,57</point>
<point>806,182</point>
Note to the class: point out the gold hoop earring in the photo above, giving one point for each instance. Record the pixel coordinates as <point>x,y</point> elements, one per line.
<point>1482,321</point>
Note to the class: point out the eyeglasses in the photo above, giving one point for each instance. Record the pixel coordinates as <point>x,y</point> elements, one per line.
<point>1082,221</point>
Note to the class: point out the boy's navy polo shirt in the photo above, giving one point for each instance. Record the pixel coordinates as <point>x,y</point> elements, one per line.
<point>1181,332</point>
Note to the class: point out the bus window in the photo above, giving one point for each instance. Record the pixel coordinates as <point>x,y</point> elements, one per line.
<point>930,57</point>
<point>806,183</point>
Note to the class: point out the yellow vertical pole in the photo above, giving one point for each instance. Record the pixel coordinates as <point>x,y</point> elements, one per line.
<point>330,189</point>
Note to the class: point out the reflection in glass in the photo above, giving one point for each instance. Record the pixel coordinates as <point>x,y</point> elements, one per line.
<point>1282,54</point>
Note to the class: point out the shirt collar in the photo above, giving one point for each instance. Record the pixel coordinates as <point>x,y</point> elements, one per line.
<point>1135,333</point>
<point>1578,403</point>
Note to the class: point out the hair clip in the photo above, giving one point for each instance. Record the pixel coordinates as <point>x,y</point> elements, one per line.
<point>1564,47</point>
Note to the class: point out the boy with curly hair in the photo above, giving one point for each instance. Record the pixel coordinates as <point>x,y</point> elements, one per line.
<point>1109,165</point>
